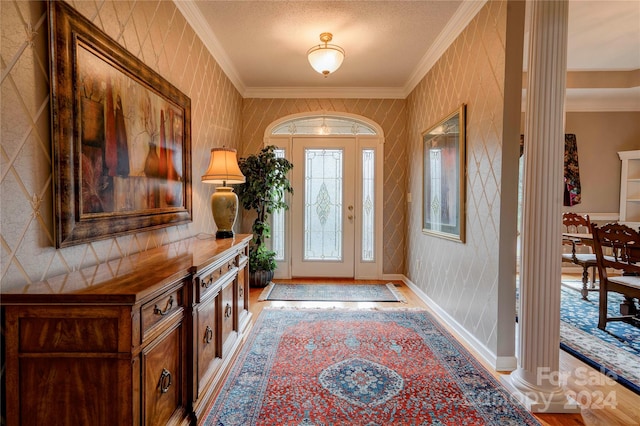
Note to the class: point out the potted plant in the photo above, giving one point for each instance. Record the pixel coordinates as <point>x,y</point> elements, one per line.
<point>263,192</point>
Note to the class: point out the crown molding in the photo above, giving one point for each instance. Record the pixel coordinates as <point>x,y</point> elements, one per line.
<point>195,19</point>
<point>325,92</point>
<point>598,100</point>
<point>466,12</point>
<point>602,100</point>
<point>577,100</point>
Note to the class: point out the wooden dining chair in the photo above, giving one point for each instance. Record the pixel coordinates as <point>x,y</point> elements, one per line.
<point>575,223</point>
<point>617,250</point>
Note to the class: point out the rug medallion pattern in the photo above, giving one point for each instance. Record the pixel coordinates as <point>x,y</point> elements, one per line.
<point>361,382</point>
<point>348,367</point>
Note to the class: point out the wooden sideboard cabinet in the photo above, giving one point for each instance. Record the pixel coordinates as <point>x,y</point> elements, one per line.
<point>138,340</point>
<point>220,316</point>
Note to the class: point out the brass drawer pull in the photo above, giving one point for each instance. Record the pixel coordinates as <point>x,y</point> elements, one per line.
<point>165,381</point>
<point>227,311</point>
<point>160,312</point>
<point>208,335</point>
<point>206,283</point>
<point>241,291</point>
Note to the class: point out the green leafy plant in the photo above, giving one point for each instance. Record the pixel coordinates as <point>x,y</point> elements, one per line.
<point>262,259</point>
<point>263,192</point>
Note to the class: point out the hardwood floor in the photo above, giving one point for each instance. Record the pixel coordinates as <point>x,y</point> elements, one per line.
<point>622,406</point>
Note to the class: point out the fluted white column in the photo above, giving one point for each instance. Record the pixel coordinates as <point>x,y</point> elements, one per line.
<point>536,378</point>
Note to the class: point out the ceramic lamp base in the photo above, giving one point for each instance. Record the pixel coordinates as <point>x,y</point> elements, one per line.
<point>224,207</point>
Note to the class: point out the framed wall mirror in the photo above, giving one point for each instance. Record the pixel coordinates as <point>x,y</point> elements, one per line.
<point>444,166</point>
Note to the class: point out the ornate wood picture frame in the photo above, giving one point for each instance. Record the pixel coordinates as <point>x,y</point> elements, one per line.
<point>444,177</point>
<point>121,137</point>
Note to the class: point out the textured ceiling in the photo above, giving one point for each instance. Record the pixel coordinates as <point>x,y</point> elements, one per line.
<point>267,41</point>
<point>390,45</point>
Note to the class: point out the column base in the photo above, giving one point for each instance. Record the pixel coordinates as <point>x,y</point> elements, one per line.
<point>538,400</point>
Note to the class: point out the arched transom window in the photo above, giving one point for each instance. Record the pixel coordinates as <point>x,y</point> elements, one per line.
<point>323,125</point>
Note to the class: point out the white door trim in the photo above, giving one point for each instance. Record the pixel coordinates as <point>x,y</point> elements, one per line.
<point>363,270</point>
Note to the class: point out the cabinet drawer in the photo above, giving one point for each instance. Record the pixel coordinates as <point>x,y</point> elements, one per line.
<point>163,377</point>
<point>209,280</point>
<point>160,309</point>
<point>243,257</point>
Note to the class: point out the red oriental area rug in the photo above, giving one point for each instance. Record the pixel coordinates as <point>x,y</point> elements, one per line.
<point>338,367</point>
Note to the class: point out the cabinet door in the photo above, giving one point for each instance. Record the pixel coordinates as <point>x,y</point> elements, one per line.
<point>163,377</point>
<point>208,351</point>
<point>243,297</point>
<point>229,317</point>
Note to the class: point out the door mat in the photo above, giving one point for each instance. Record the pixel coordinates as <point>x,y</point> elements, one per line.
<point>332,293</point>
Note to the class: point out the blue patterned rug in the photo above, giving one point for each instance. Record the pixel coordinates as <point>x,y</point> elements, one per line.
<point>332,292</point>
<point>359,367</point>
<point>615,352</point>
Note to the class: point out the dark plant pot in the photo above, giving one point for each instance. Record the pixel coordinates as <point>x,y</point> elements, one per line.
<point>260,279</point>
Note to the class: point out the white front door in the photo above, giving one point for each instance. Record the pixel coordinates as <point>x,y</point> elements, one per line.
<point>323,213</point>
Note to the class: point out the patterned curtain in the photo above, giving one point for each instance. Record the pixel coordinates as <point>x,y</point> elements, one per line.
<point>571,170</point>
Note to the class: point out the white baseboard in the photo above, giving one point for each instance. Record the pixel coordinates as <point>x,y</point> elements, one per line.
<point>393,277</point>
<point>499,363</point>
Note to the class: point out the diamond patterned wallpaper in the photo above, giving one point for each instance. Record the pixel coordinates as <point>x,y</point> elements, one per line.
<point>389,113</point>
<point>471,71</point>
<point>462,278</point>
<point>153,31</point>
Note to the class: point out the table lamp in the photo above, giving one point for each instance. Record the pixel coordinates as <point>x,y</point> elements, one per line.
<point>223,169</point>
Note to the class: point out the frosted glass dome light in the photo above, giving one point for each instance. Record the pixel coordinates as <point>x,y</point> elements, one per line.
<point>326,58</point>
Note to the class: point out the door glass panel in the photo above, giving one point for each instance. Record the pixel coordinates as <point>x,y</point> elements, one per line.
<point>323,204</point>
<point>368,204</point>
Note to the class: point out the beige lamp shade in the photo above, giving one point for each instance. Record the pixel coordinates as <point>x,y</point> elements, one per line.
<point>223,169</point>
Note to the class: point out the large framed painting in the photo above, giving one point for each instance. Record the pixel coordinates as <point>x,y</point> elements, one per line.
<point>121,137</point>
<point>443,212</point>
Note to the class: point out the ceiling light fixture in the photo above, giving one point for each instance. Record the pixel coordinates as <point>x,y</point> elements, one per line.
<point>326,58</point>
